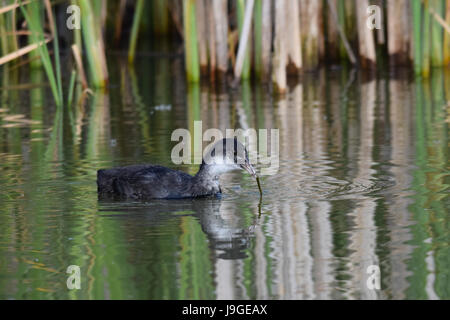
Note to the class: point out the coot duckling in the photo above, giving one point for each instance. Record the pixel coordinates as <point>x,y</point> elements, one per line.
<point>148,181</point>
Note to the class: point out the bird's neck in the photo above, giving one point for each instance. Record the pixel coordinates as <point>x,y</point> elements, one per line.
<point>207,179</point>
<point>207,172</point>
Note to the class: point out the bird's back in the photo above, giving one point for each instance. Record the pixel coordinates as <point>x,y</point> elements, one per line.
<point>143,182</point>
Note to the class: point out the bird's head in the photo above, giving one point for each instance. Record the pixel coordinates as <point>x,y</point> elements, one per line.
<point>227,155</point>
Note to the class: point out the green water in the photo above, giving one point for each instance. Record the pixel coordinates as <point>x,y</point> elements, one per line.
<point>363,179</point>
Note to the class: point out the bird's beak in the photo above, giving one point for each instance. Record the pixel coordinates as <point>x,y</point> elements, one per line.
<point>249,168</point>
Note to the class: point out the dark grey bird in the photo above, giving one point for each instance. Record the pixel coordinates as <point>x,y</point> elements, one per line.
<point>147,181</point>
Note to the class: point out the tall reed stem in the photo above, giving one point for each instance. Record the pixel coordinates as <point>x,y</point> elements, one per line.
<point>436,33</point>
<point>35,10</point>
<point>93,41</point>
<point>426,46</point>
<point>220,12</point>
<point>190,41</point>
<point>365,36</point>
<point>38,38</point>
<point>398,31</point>
<point>342,23</point>
<point>295,61</point>
<point>280,47</point>
<point>311,33</point>
<point>262,38</point>
<point>257,36</point>
<point>446,54</point>
<point>211,25</point>
<point>135,29</point>
<point>240,17</point>
<point>417,35</point>
<point>202,35</point>
<point>3,39</point>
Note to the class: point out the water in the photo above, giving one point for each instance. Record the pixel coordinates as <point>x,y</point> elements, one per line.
<point>363,179</point>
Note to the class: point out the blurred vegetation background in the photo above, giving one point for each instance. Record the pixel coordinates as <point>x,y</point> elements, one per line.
<point>227,39</point>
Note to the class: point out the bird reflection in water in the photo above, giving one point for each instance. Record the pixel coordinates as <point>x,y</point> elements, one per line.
<point>228,234</point>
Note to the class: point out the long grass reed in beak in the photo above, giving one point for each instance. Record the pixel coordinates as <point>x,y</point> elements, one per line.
<point>259,186</point>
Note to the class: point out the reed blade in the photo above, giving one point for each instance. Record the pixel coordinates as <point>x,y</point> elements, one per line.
<point>190,41</point>
<point>135,30</point>
<point>417,35</point>
<point>38,38</point>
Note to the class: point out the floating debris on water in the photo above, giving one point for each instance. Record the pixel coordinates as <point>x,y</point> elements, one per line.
<point>163,107</point>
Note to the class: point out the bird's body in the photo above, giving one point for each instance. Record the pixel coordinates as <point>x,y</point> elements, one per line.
<point>154,182</point>
<point>148,181</point>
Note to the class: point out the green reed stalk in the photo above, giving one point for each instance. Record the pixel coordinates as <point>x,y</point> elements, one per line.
<point>90,27</point>
<point>190,41</point>
<point>35,10</point>
<point>342,22</point>
<point>240,18</point>
<point>73,76</point>
<point>97,8</point>
<point>3,38</point>
<point>8,39</point>
<point>436,33</point>
<point>446,54</point>
<point>351,28</point>
<point>57,61</point>
<point>417,35</point>
<point>135,29</point>
<point>10,19</point>
<point>262,28</point>
<point>38,37</point>
<point>257,28</point>
<point>77,32</point>
<point>426,45</point>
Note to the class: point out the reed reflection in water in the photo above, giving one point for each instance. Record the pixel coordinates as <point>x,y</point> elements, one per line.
<point>362,180</point>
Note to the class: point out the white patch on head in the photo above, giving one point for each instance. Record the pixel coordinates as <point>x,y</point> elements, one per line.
<point>219,168</point>
<point>219,164</point>
<point>221,161</point>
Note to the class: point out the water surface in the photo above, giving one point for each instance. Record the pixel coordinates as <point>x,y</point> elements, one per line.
<point>363,179</point>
